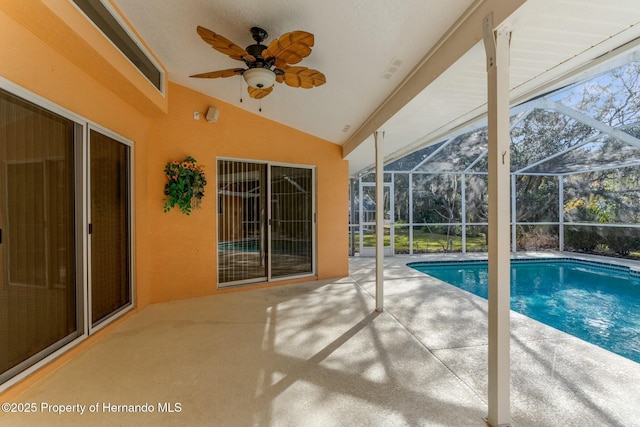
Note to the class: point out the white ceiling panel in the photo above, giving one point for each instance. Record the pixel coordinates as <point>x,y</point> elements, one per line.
<point>357,41</point>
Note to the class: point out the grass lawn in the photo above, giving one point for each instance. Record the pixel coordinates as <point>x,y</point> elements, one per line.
<point>433,242</point>
<point>424,241</point>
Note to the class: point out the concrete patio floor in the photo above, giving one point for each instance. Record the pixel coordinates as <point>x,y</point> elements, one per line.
<point>316,354</point>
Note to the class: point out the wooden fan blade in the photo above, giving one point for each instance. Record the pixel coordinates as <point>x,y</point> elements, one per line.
<point>258,93</point>
<point>290,47</point>
<point>281,63</point>
<point>220,73</point>
<point>303,77</point>
<point>224,45</point>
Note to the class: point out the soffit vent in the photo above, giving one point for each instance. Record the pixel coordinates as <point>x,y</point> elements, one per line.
<point>115,31</point>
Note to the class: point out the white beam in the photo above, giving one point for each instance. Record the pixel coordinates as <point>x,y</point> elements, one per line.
<point>589,140</point>
<point>497,49</point>
<point>436,151</point>
<point>459,39</point>
<point>379,221</point>
<point>596,124</point>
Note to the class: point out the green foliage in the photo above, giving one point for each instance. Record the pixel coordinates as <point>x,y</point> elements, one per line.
<point>584,239</point>
<point>436,198</point>
<point>537,198</point>
<point>622,241</point>
<point>185,186</point>
<point>607,197</point>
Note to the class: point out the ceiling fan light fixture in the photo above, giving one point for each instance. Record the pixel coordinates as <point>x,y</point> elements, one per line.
<point>260,78</point>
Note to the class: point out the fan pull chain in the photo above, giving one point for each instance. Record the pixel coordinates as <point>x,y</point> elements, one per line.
<point>241,90</point>
<point>260,108</point>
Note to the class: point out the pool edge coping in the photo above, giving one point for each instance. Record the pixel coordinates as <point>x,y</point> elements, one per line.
<point>631,270</point>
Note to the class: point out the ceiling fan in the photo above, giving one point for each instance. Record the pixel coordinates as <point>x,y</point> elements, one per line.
<point>266,64</point>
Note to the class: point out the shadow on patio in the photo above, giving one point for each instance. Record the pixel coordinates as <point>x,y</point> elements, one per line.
<point>318,354</point>
<point>307,354</point>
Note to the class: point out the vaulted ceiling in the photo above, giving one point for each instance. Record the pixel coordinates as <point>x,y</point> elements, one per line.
<point>413,68</point>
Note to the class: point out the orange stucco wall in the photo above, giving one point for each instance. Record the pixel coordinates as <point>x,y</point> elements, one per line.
<point>44,46</point>
<point>184,262</point>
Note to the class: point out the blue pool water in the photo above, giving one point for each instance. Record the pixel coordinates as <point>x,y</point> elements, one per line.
<point>278,246</point>
<point>597,302</point>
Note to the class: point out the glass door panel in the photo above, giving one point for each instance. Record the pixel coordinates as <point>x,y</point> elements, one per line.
<point>110,230</point>
<point>27,223</point>
<point>38,286</point>
<point>242,256</point>
<point>291,244</point>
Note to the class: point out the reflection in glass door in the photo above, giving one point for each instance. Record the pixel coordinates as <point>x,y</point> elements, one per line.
<point>242,253</point>
<point>265,222</point>
<point>291,221</point>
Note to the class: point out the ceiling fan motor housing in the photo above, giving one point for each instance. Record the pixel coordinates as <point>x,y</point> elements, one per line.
<point>259,74</point>
<point>256,51</point>
<point>258,34</point>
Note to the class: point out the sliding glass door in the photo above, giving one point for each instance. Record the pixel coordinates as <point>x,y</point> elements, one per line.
<point>65,230</point>
<point>110,226</point>
<point>241,222</point>
<point>40,286</point>
<point>291,228</point>
<point>265,222</point>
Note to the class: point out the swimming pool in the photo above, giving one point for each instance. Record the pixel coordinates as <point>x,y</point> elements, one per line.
<point>597,302</point>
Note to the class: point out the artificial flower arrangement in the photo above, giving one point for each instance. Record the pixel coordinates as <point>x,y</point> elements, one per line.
<point>186,185</point>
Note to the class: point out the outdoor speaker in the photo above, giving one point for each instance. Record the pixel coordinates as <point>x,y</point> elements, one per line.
<point>212,115</point>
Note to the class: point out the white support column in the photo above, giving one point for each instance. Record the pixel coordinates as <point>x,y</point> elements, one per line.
<point>379,221</point>
<point>497,49</point>
<point>410,213</point>
<point>463,199</point>
<point>514,226</point>
<point>360,218</point>
<point>561,212</point>
<point>392,215</point>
